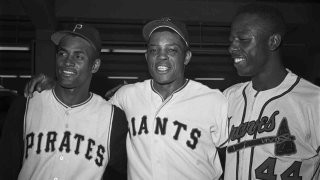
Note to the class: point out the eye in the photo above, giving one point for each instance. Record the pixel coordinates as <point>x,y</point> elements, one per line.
<point>243,39</point>
<point>79,56</point>
<point>62,53</point>
<point>172,50</point>
<point>152,50</point>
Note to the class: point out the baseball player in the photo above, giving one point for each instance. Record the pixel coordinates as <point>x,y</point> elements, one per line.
<point>175,124</point>
<point>66,132</point>
<point>274,119</point>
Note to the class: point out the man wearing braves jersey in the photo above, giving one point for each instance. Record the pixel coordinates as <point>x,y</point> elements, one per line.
<point>66,132</point>
<point>175,124</point>
<point>274,119</point>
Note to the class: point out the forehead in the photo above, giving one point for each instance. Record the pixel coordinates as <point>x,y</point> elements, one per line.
<point>168,37</point>
<point>247,23</point>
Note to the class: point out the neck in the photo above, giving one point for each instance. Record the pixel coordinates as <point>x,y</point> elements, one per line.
<point>71,96</point>
<point>270,78</point>
<point>166,90</point>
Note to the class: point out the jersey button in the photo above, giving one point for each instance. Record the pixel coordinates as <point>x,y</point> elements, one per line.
<point>61,158</point>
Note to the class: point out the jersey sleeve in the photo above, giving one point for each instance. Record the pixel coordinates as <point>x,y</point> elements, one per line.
<point>219,132</point>
<point>11,142</point>
<point>117,165</point>
<point>116,99</point>
<point>316,123</point>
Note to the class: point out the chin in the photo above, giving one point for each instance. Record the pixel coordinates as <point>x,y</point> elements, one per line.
<point>243,73</point>
<point>162,81</point>
<point>66,85</point>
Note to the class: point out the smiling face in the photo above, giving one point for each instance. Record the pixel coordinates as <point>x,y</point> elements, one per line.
<point>167,56</point>
<point>249,45</point>
<point>75,63</point>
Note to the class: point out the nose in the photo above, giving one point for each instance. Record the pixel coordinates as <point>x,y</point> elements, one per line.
<point>233,47</point>
<point>69,60</point>
<point>163,54</point>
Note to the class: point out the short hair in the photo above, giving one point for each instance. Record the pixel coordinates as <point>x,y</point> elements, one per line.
<point>269,14</point>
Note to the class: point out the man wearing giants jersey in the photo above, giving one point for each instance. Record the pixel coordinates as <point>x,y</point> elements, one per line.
<point>66,132</point>
<point>274,119</point>
<point>175,124</point>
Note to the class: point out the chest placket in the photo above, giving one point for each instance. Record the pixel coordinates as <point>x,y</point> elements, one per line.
<point>158,148</point>
<point>67,117</point>
<point>252,115</point>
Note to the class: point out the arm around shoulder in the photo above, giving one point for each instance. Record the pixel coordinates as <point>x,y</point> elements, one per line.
<point>117,165</point>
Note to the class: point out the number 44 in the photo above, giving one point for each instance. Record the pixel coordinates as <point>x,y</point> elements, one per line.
<point>266,171</point>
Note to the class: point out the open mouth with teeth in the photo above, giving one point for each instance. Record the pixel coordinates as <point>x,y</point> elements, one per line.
<point>238,59</point>
<point>162,68</point>
<point>68,73</point>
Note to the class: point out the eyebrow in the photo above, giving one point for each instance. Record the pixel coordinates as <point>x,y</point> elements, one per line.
<point>171,44</point>
<point>75,51</point>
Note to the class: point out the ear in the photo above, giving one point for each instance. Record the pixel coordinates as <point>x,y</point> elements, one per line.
<point>96,65</point>
<point>146,55</point>
<point>274,41</point>
<point>187,58</point>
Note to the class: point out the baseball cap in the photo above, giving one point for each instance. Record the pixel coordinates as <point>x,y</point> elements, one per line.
<point>177,26</point>
<point>84,31</point>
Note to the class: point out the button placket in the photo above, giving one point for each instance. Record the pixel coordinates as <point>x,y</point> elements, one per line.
<point>67,116</point>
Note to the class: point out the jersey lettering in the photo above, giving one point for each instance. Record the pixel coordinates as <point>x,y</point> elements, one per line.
<point>266,171</point>
<point>65,143</point>
<point>100,158</point>
<point>29,143</point>
<point>284,141</point>
<point>35,142</point>
<point>51,138</point>
<point>143,126</point>
<point>195,135</point>
<point>79,139</point>
<point>292,173</point>
<point>180,125</point>
<point>39,143</point>
<point>89,149</point>
<point>160,128</point>
<point>264,125</point>
<point>134,132</point>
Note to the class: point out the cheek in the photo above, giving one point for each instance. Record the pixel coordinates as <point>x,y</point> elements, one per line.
<point>151,61</point>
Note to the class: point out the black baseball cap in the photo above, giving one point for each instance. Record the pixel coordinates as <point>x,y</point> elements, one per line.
<point>167,22</point>
<point>84,31</point>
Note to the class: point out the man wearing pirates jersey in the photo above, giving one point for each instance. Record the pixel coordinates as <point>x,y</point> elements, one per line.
<point>66,132</point>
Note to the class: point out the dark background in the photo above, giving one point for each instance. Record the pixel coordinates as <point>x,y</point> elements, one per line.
<point>26,49</point>
<point>29,24</point>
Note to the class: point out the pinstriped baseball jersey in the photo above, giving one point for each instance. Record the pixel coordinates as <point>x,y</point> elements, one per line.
<point>64,142</point>
<point>174,138</point>
<point>274,134</point>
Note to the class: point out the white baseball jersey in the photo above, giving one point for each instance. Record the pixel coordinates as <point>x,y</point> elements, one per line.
<point>65,143</point>
<point>274,134</point>
<point>173,138</point>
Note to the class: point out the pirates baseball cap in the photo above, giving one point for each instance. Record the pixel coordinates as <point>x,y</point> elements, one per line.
<point>84,31</point>
<point>177,26</point>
